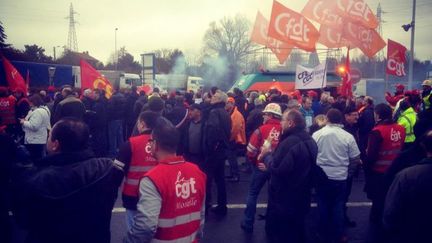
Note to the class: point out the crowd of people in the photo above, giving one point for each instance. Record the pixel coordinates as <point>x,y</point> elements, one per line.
<point>65,154</point>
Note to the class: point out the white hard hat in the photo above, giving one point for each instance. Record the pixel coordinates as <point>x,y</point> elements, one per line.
<point>273,108</point>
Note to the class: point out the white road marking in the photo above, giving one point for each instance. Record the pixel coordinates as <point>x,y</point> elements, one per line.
<point>264,205</point>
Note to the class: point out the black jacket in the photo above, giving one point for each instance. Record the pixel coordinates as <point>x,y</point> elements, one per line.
<point>69,107</point>
<point>217,130</point>
<point>68,198</point>
<point>116,107</point>
<point>254,120</point>
<point>290,175</point>
<point>408,211</point>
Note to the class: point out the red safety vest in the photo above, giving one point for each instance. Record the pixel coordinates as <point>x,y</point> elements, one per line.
<point>393,136</point>
<point>182,188</point>
<point>141,162</point>
<point>7,110</point>
<point>272,128</point>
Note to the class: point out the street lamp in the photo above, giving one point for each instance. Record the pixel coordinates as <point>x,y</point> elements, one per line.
<point>407,27</point>
<point>115,48</point>
<point>54,49</point>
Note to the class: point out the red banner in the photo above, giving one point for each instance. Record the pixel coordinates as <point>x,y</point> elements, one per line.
<point>367,40</point>
<point>356,11</point>
<point>323,12</point>
<point>92,79</point>
<point>259,35</point>
<point>291,27</point>
<point>13,77</point>
<point>396,59</point>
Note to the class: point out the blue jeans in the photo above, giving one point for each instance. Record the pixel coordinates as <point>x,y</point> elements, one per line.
<point>331,198</point>
<point>115,136</point>
<point>130,214</point>
<point>257,182</point>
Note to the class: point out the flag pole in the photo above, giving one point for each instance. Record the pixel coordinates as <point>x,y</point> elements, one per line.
<point>411,61</point>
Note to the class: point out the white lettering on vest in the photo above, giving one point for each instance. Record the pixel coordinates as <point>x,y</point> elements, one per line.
<point>395,136</point>
<point>184,187</point>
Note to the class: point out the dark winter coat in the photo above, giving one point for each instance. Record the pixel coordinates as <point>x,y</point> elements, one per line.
<point>68,198</point>
<point>217,130</point>
<point>408,210</point>
<point>254,120</point>
<point>116,107</point>
<point>69,107</point>
<point>290,175</point>
<point>366,123</point>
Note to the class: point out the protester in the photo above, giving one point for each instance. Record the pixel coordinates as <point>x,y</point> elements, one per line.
<point>70,195</point>
<point>115,114</point>
<point>173,189</point>
<point>192,136</point>
<point>350,125</point>
<point>99,132</point>
<point>426,93</point>
<point>7,110</point>
<point>290,180</point>
<point>130,117</point>
<point>255,118</point>
<point>135,155</point>
<point>366,122</point>
<point>36,126</point>
<point>407,211</point>
<point>217,133</point>
<point>319,122</point>
<point>307,112</point>
<point>385,143</point>
<point>267,133</point>
<point>337,152</point>
<point>240,101</point>
<point>399,94</point>
<point>69,106</point>
<point>237,139</point>
<point>407,119</point>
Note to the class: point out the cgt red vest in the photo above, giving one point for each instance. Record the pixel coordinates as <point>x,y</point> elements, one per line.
<point>7,110</point>
<point>393,139</point>
<point>271,130</point>
<point>182,188</point>
<point>141,162</point>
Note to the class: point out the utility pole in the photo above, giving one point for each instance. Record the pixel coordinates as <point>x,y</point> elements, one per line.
<point>115,48</point>
<point>411,61</point>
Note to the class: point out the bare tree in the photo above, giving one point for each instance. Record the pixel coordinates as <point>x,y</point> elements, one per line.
<point>229,38</point>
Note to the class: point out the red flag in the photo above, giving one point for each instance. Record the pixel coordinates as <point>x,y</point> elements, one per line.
<point>368,40</point>
<point>13,77</point>
<point>323,12</point>
<point>332,37</point>
<point>346,88</point>
<point>259,35</point>
<point>291,27</point>
<point>396,59</point>
<point>357,11</point>
<point>92,79</point>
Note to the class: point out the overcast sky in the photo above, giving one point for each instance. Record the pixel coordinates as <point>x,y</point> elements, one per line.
<point>145,25</point>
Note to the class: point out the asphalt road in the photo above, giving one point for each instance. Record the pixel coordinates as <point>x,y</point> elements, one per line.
<point>227,229</point>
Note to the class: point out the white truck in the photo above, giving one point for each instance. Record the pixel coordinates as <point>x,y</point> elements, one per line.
<point>182,82</point>
<point>117,78</point>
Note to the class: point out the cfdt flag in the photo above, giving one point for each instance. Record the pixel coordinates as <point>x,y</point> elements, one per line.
<point>323,12</point>
<point>291,27</point>
<point>367,40</point>
<point>259,35</point>
<point>13,77</point>
<point>311,78</point>
<point>396,59</point>
<point>356,11</point>
<point>92,79</point>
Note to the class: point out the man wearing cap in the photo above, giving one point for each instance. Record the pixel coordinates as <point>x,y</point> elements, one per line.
<point>267,134</point>
<point>427,87</point>
<point>192,136</point>
<point>238,137</point>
